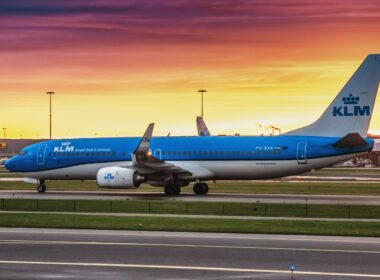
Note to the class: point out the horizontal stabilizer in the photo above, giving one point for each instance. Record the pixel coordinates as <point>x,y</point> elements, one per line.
<point>351,140</point>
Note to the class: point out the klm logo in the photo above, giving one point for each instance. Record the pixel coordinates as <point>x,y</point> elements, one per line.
<point>65,147</point>
<point>109,176</point>
<point>351,108</point>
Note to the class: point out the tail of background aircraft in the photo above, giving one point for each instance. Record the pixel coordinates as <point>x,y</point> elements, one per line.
<point>202,128</point>
<point>351,110</point>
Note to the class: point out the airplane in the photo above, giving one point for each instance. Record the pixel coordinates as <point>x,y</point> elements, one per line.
<point>174,162</point>
<point>202,128</point>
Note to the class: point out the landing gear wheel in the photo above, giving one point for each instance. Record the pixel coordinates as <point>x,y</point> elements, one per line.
<point>41,188</point>
<point>172,189</point>
<point>200,188</point>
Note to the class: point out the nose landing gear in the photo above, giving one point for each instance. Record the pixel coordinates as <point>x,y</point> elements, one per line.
<point>41,188</point>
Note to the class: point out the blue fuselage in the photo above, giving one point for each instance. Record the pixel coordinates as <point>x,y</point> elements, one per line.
<point>57,154</point>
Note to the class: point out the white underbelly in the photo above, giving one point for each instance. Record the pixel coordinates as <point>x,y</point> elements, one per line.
<point>77,172</point>
<point>250,170</point>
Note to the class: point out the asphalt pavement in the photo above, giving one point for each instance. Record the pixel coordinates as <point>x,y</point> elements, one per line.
<point>94,254</point>
<point>227,197</point>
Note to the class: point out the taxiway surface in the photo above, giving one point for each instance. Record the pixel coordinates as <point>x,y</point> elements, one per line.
<point>89,254</point>
<point>227,197</point>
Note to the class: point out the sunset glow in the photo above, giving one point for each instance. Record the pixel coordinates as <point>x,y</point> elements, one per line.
<point>118,65</point>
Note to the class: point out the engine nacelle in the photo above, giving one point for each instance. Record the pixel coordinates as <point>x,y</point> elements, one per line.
<point>118,177</point>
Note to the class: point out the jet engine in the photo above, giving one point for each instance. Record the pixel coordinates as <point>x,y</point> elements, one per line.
<point>118,177</point>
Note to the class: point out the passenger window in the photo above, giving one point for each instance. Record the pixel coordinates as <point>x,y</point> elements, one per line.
<point>205,153</point>
<point>169,153</point>
<point>184,153</point>
<point>113,153</point>
<point>163,153</point>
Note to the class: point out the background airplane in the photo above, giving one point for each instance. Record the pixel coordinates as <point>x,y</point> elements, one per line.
<point>173,162</point>
<point>202,128</point>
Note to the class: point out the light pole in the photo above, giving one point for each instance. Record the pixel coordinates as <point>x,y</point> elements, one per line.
<point>4,132</point>
<point>202,91</point>
<point>50,93</point>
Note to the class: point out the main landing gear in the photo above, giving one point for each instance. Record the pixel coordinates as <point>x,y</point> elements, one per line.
<point>172,189</point>
<point>41,188</point>
<point>175,188</point>
<point>200,188</point>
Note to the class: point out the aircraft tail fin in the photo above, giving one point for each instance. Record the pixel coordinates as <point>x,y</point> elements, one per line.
<point>202,128</point>
<point>351,110</point>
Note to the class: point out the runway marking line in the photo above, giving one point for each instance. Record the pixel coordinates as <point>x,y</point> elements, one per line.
<point>193,235</point>
<point>200,268</point>
<point>61,242</point>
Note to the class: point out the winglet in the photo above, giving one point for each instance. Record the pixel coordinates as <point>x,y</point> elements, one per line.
<point>144,144</point>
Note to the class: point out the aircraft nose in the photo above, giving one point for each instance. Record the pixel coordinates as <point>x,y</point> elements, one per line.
<point>9,164</point>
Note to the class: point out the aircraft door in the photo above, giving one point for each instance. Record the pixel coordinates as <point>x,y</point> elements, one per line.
<point>41,154</point>
<point>301,153</point>
<point>157,153</point>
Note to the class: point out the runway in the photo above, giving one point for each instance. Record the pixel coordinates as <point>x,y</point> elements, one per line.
<point>89,254</point>
<point>216,197</point>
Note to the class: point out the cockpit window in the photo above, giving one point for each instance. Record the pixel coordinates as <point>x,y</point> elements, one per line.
<point>22,153</point>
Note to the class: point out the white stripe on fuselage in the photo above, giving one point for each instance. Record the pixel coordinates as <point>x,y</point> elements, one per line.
<point>228,170</point>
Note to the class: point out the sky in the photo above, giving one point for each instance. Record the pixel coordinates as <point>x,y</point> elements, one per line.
<point>118,65</point>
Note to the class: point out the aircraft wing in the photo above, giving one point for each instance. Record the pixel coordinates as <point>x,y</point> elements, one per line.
<point>145,163</point>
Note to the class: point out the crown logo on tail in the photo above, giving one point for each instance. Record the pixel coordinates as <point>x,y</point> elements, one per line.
<point>350,99</point>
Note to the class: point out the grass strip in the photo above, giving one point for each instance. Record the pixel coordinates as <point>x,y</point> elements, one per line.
<point>201,208</point>
<point>43,220</point>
